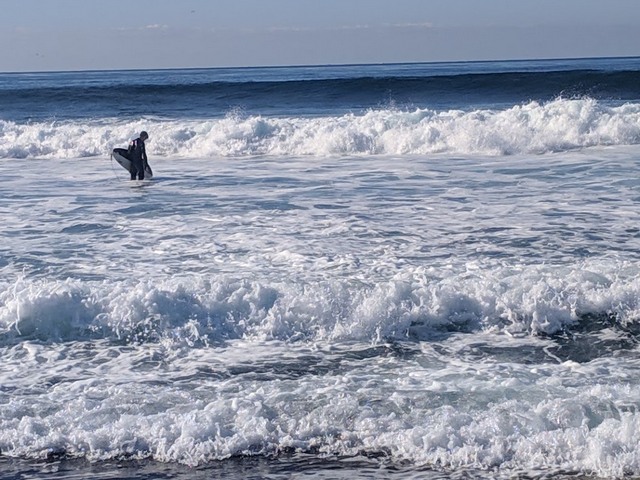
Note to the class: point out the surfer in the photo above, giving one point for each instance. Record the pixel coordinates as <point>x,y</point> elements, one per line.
<point>138,156</point>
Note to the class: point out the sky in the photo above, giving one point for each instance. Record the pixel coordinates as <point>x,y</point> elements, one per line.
<point>54,35</point>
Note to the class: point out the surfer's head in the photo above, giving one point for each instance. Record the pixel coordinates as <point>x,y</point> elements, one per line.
<point>144,135</point>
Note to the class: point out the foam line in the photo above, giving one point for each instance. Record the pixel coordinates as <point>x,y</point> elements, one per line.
<point>532,128</point>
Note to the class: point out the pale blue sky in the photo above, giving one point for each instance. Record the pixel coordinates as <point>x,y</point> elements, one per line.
<point>41,35</point>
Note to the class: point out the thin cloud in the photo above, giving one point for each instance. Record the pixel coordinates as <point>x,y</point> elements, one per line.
<point>348,27</point>
<point>153,27</point>
<point>412,25</point>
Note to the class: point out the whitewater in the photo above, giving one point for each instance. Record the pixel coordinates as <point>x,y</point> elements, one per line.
<point>375,288</point>
<point>535,127</point>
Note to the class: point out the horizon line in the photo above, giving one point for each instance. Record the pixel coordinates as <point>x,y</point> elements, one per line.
<point>320,65</point>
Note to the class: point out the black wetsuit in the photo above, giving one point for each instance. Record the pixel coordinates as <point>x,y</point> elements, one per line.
<point>138,157</point>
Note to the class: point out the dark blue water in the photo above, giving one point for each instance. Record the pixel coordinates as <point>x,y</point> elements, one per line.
<point>314,90</point>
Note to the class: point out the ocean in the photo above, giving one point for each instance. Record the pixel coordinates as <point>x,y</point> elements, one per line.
<point>362,271</point>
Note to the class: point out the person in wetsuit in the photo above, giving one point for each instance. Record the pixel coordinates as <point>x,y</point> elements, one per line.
<point>138,156</point>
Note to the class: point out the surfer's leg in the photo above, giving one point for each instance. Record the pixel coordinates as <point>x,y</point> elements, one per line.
<point>136,169</point>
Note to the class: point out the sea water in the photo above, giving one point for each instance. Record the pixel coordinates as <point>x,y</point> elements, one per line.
<point>391,271</point>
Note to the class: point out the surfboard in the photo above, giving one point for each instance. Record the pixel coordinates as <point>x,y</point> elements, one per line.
<point>120,156</point>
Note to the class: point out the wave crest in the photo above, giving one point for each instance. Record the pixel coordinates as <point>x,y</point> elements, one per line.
<point>532,128</point>
<point>414,304</point>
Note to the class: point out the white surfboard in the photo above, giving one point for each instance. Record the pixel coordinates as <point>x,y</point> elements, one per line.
<point>120,156</point>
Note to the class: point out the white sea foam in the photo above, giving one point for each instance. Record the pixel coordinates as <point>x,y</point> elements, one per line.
<point>555,126</point>
<point>443,411</point>
<point>414,304</point>
<point>451,312</point>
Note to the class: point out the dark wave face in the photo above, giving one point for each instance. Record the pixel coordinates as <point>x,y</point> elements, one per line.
<point>311,90</point>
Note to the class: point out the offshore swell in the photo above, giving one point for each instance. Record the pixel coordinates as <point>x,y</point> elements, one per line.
<point>211,93</point>
<point>441,288</point>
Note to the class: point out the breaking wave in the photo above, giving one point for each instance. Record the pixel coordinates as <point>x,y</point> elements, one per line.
<point>530,128</point>
<point>540,300</point>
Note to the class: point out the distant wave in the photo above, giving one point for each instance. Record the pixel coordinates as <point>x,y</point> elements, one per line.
<point>213,98</point>
<point>530,128</point>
